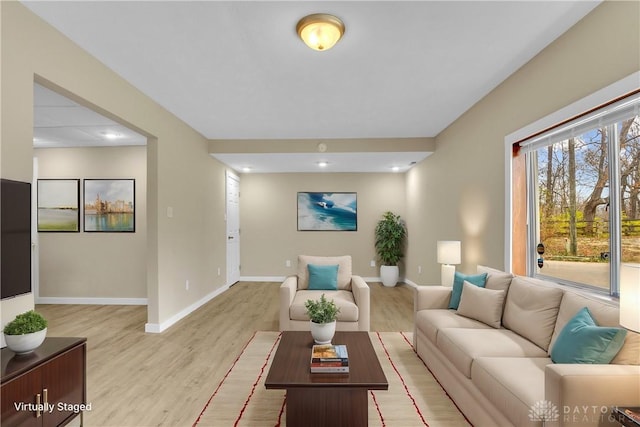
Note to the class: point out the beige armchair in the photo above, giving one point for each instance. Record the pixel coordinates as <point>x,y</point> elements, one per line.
<point>352,296</point>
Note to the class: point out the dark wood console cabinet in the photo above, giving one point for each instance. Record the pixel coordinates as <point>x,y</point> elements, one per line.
<point>53,376</point>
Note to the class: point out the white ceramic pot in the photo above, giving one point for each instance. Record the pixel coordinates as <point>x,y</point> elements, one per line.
<point>389,275</point>
<point>322,333</point>
<point>22,344</point>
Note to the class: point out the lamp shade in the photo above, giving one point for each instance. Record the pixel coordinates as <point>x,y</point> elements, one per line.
<point>320,31</point>
<point>630,296</point>
<point>448,252</point>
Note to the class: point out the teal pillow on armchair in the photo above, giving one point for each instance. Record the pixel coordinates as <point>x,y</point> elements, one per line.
<point>458,280</point>
<point>323,277</point>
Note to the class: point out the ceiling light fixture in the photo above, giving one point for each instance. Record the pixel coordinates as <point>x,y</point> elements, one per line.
<point>395,168</point>
<point>111,135</point>
<point>320,31</point>
<point>323,164</point>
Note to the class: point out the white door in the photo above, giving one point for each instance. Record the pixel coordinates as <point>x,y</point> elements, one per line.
<point>35,254</point>
<point>233,228</point>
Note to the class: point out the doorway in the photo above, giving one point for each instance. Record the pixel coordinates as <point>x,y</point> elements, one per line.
<point>233,228</point>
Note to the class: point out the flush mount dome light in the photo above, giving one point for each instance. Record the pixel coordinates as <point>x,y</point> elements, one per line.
<point>320,31</point>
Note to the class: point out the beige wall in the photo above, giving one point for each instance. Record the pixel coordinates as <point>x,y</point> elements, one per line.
<point>180,173</point>
<point>268,219</point>
<point>458,193</point>
<point>95,265</point>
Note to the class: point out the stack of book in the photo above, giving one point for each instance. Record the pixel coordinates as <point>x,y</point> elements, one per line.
<point>327,358</point>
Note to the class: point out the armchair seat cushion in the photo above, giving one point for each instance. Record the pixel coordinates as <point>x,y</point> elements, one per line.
<point>343,299</point>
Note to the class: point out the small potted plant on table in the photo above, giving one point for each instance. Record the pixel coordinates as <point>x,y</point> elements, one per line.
<point>26,332</point>
<point>322,314</point>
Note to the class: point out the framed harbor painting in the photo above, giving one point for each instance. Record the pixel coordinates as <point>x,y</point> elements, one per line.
<point>109,205</point>
<point>327,211</point>
<point>59,205</point>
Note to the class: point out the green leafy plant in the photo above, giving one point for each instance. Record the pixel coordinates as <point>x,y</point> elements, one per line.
<point>322,310</point>
<point>25,323</point>
<point>390,234</point>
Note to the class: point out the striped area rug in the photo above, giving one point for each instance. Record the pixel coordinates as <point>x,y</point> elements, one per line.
<point>414,397</point>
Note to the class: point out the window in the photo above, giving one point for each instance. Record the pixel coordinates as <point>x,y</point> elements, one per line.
<point>580,230</point>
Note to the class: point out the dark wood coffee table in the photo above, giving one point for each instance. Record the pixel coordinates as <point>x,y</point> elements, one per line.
<point>326,399</point>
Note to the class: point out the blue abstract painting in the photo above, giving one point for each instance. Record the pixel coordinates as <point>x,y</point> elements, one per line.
<point>327,211</point>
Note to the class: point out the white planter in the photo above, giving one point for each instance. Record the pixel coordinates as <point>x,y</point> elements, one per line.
<point>322,333</point>
<point>389,275</point>
<point>22,344</point>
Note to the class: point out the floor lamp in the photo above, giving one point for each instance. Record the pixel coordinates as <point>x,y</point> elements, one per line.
<point>630,296</point>
<point>448,256</point>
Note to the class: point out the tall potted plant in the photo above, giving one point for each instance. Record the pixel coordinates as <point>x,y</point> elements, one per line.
<point>390,234</point>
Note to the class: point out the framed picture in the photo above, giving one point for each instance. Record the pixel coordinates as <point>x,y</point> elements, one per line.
<point>109,205</point>
<point>327,211</point>
<point>59,205</point>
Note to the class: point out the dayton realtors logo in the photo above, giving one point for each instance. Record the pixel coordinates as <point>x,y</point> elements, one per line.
<point>543,410</point>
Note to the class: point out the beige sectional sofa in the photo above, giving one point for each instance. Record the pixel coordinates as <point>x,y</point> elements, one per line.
<point>492,354</point>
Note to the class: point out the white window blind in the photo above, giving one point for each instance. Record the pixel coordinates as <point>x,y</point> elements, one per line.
<point>612,113</point>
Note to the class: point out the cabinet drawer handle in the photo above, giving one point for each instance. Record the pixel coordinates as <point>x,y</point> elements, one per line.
<point>45,396</point>
<point>38,403</point>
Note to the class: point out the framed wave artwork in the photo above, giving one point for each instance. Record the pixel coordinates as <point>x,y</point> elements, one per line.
<point>327,211</point>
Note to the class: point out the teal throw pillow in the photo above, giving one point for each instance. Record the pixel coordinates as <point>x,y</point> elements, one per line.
<point>458,280</point>
<point>323,277</point>
<point>582,341</point>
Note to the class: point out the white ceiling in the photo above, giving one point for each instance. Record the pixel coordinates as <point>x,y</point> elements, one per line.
<point>236,69</point>
<point>61,122</point>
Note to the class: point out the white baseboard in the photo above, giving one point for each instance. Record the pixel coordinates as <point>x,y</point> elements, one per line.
<point>157,328</point>
<point>281,279</point>
<point>262,278</point>
<point>410,283</point>
<point>91,301</point>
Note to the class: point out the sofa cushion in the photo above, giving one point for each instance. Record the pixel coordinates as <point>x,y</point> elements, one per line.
<point>481,304</point>
<point>343,299</point>
<point>344,269</point>
<point>629,354</point>
<point>496,279</point>
<point>430,321</point>
<point>323,277</point>
<point>531,309</point>
<point>513,384</point>
<point>605,313</point>
<point>458,279</point>
<point>462,346</point>
<point>583,341</point>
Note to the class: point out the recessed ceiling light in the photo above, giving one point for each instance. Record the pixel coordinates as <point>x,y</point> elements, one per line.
<point>323,164</point>
<point>246,169</point>
<point>111,135</point>
<point>395,168</point>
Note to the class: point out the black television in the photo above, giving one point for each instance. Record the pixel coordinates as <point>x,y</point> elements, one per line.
<point>15,238</point>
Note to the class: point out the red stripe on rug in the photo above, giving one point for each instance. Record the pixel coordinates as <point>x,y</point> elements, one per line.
<point>223,379</point>
<point>284,403</point>
<point>253,388</point>
<point>375,401</point>
<point>434,377</point>
<point>404,384</point>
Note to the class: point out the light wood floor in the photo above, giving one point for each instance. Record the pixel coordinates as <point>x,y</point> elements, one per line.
<point>138,379</point>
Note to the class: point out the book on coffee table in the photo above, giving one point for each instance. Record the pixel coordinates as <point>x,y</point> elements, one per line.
<point>327,358</point>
